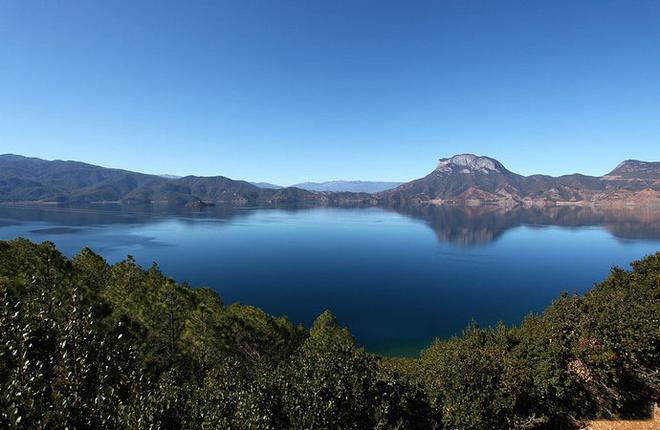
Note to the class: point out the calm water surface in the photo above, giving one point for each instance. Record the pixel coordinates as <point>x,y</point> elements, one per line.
<point>397,279</point>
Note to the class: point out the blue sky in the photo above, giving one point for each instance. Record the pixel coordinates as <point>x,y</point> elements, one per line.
<point>286,91</point>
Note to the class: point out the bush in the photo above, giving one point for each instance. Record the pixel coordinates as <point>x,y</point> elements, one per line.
<point>87,345</point>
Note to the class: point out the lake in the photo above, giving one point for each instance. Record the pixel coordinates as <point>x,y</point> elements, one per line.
<point>397,278</point>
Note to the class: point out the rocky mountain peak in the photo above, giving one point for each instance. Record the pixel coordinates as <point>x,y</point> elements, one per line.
<point>468,163</point>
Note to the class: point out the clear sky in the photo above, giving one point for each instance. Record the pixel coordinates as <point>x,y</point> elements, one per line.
<point>287,91</point>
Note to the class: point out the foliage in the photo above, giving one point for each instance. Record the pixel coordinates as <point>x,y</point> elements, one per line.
<point>84,344</point>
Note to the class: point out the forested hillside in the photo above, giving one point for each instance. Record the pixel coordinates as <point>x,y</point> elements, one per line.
<point>32,179</point>
<point>85,344</point>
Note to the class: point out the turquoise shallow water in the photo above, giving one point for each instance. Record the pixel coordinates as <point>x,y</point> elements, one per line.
<point>397,279</point>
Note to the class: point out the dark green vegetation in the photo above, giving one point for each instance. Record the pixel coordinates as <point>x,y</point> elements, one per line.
<point>32,179</point>
<point>89,345</point>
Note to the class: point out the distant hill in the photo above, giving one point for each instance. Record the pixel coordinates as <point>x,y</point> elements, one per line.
<point>635,170</point>
<point>467,179</point>
<point>337,186</point>
<point>32,179</point>
<point>266,185</point>
<point>349,186</point>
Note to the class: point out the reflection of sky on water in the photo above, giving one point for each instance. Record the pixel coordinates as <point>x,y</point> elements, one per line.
<point>398,279</point>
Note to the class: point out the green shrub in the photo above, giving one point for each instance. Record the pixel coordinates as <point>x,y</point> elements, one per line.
<point>84,344</point>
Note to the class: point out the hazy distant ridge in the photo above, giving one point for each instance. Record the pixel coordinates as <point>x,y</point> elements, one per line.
<point>350,186</point>
<point>337,186</point>
<point>266,185</point>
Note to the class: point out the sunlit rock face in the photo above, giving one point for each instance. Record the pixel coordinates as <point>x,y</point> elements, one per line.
<point>468,163</point>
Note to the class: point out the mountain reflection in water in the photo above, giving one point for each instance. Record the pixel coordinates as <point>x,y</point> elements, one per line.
<point>398,278</point>
<point>460,226</point>
<point>469,226</point>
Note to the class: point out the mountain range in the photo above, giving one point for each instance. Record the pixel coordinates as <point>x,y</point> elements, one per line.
<point>349,186</point>
<point>462,180</point>
<point>471,180</point>
<point>32,179</point>
<point>267,185</point>
<point>338,186</point>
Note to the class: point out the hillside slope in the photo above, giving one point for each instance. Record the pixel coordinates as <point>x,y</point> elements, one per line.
<point>31,179</point>
<point>468,179</point>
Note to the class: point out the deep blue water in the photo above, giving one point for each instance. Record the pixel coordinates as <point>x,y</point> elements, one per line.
<point>396,279</point>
